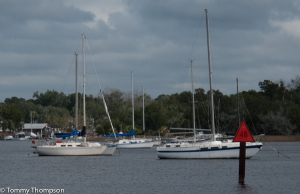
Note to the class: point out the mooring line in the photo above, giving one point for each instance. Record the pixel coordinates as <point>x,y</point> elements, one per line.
<point>277,150</point>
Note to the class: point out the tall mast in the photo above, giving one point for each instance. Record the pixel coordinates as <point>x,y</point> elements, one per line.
<point>132,102</point>
<point>84,121</point>
<point>76,94</point>
<point>210,80</point>
<point>143,112</point>
<point>31,121</point>
<point>238,100</point>
<point>193,94</point>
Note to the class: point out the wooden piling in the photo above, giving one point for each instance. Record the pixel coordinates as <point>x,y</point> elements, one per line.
<point>242,162</point>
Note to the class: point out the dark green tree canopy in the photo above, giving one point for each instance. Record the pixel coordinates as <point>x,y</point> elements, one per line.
<point>274,110</point>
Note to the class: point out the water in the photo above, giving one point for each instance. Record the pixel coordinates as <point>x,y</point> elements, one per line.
<point>140,171</point>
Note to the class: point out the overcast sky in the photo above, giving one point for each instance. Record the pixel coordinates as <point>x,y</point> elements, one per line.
<point>252,40</point>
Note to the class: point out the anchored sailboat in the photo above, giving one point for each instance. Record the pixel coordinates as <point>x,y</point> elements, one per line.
<point>71,148</point>
<point>207,149</point>
<point>134,142</point>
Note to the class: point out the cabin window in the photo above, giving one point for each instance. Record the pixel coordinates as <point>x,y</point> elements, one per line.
<point>63,145</point>
<point>224,147</point>
<point>177,145</point>
<point>78,145</point>
<point>204,148</point>
<point>214,148</point>
<point>124,142</point>
<point>167,146</point>
<point>69,145</point>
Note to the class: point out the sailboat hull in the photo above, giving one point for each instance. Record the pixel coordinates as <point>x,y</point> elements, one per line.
<point>134,144</point>
<point>110,149</point>
<point>206,151</point>
<point>70,149</point>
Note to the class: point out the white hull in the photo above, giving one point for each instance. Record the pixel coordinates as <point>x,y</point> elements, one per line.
<point>9,137</point>
<point>134,144</point>
<point>157,143</point>
<point>23,138</point>
<point>110,149</point>
<point>71,149</point>
<point>206,150</point>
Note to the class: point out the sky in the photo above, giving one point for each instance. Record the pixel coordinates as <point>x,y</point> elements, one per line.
<point>155,39</point>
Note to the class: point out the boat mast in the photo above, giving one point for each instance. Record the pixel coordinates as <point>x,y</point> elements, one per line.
<point>76,94</point>
<point>210,80</point>
<point>193,94</point>
<point>84,120</point>
<point>31,121</point>
<point>238,100</point>
<point>132,102</point>
<point>143,112</point>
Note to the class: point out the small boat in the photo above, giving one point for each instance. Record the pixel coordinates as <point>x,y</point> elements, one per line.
<point>70,149</point>
<point>73,148</point>
<point>21,136</point>
<point>134,143</point>
<point>9,137</point>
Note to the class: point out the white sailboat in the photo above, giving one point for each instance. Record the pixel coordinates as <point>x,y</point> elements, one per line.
<point>135,142</point>
<point>21,136</point>
<point>73,148</point>
<point>211,149</point>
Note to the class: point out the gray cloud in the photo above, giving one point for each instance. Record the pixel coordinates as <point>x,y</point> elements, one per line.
<point>252,40</point>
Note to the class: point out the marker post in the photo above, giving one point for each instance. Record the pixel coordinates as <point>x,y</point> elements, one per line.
<point>243,135</point>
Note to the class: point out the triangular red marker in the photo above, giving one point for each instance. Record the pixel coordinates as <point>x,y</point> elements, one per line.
<point>243,134</point>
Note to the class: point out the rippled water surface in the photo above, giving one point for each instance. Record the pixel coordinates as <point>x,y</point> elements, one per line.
<point>140,171</point>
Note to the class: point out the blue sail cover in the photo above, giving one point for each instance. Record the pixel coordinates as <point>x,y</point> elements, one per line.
<point>117,135</point>
<point>128,134</point>
<point>124,134</point>
<point>73,133</point>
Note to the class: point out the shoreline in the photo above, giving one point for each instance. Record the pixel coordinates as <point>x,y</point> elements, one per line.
<point>279,138</point>
<point>264,138</point>
<point>261,138</point>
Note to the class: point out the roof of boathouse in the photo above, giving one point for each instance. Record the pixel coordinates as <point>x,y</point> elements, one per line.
<point>35,125</point>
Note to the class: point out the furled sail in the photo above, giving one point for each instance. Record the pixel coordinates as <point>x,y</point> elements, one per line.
<point>73,133</point>
<point>122,134</point>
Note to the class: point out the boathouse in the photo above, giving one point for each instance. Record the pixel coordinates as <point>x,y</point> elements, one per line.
<point>36,128</point>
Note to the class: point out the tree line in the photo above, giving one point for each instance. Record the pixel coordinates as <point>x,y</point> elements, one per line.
<point>274,110</point>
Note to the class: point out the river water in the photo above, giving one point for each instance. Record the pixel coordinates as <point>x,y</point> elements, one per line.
<point>140,171</point>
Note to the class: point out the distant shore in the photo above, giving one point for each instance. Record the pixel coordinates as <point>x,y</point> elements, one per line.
<point>264,138</point>
<point>279,138</point>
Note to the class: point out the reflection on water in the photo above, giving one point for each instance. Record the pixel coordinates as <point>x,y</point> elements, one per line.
<point>244,188</point>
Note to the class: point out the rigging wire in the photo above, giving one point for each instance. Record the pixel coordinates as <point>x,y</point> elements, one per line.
<point>186,67</point>
<point>71,65</point>
<point>100,88</point>
<point>249,115</point>
<point>187,64</point>
<point>256,132</point>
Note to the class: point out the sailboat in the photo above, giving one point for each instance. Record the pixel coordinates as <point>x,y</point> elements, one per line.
<point>134,142</point>
<point>210,149</point>
<point>73,148</point>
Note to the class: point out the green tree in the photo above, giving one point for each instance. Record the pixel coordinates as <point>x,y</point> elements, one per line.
<point>13,116</point>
